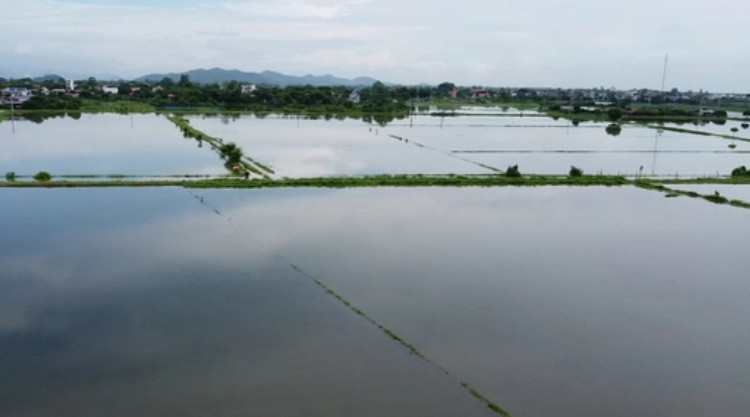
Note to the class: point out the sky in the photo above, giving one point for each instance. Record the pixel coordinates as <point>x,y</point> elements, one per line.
<point>521,43</point>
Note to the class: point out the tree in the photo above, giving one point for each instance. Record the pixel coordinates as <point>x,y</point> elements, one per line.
<point>184,81</point>
<point>445,88</point>
<point>614,113</point>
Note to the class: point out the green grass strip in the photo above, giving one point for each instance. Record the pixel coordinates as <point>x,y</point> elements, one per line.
<point>695,132</point>
<point>450,154</point>
<point>715,198</point>
<point>342,182</point>
<point>388,332</point>
<point>450,180</point>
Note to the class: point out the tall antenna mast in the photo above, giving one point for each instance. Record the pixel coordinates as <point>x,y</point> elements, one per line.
<point>664,74</point>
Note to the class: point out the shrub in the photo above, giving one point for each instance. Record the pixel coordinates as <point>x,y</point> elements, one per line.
<point>746,113</point>
<point>42,176</point>
<point>740,172</point>
<point>575,171</point>
<point>512,171</point>
<point>613,129</point>
<point>745,125</point>
<point>10,176</point>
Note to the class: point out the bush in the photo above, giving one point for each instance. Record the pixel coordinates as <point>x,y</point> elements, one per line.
<point>746,113</point>
<point>42,176</point>
<point>740,172</point>
<point>575,171</point>
<point>512,171</point>
<point>10,176</point>
<point>745,125</point>
<point>613,129</point>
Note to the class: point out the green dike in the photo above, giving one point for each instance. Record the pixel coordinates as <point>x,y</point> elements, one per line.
<point>340,182</point>
<point>117,180</point>
<point>219,146</point>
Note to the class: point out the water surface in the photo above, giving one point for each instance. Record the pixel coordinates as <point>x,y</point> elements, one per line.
<point>126,302</point>
<point>104,144</point>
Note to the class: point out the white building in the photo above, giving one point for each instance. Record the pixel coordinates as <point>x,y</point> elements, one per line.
<point>248,88</point>
<point>70,85</point>
<point>109,90</point>
<point>16,95</point>
<point>354,97</point>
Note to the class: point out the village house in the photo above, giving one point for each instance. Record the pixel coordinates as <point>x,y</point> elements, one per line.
<point>248,88</point>
<point>354,97</point>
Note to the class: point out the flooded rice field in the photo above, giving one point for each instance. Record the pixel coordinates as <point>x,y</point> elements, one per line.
<point>103,144</point>
<point>539,301</point>
<point>478,141</point>
<point>547,301</point>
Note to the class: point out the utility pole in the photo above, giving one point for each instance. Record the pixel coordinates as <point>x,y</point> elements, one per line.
<point>664,74</point>
<point>12,116</point>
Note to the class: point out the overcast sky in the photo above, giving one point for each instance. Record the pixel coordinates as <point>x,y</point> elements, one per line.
<point>554,43</point>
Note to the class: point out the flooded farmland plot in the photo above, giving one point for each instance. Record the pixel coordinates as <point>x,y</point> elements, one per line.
<point>474,142</point>
<point>541,145</point>
<point>147,302</point>
<point>550,301</point>
<point>103,144</point>
<point>545,301</point>
<point>535,301</point>
<point>302,147</point>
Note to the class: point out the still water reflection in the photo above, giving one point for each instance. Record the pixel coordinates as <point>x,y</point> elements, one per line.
<point>144,302</point>
<point>550,301</point>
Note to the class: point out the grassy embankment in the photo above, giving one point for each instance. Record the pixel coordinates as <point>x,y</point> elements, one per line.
<point>340,182</point>
<point>226,150</point>
<point>400,181</point>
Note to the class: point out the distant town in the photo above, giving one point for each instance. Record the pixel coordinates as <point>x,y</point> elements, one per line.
<point>59,93</point>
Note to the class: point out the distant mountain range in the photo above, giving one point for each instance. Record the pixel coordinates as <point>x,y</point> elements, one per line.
<point>219,75</point>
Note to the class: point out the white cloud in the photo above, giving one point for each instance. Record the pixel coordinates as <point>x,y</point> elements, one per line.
<point>551,42</point>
